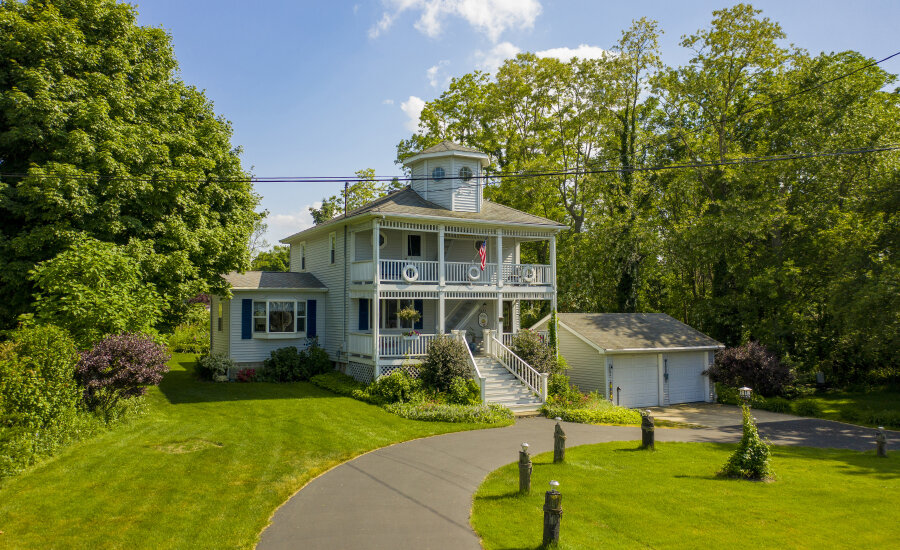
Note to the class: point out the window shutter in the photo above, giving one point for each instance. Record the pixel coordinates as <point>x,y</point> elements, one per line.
<point>310,318</point>
<point>246,319</point>
<point>420,307</point>
<point>363,314</point>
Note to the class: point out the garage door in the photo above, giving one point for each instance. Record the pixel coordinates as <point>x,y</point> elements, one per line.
<point>686,383</point>
<point>638,378</point>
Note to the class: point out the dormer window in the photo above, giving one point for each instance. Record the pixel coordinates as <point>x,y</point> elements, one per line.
<point>465,173</point>
<point>437,173</point>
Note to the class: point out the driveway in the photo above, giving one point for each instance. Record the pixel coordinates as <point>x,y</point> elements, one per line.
<point>418,494</point>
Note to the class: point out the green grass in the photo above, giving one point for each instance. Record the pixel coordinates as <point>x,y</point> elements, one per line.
<point>617,497</point>
<point>860,407</point>
<point>204,468</point>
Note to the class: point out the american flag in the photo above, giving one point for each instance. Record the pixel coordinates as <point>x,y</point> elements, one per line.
<point>482,253</point>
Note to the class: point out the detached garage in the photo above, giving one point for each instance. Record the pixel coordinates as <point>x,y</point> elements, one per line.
<point>635,359</point>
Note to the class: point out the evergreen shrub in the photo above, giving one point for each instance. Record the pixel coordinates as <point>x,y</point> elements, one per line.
<point>751,459</point>
<point>447,359</point>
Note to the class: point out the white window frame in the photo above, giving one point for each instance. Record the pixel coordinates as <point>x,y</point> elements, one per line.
<point>383,314</point>
<point>275,335</point>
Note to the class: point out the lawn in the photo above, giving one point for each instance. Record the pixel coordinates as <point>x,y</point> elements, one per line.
<point>205,467</point>
<point>874,408</point>
<point>617,497</point>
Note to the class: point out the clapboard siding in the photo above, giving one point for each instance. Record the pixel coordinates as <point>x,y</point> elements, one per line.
<point>253,350</point>
<point>219,338</point>
<point>586,364</point>
<point>362,244</point>
<point>296,256</point>
<point>318,262</point>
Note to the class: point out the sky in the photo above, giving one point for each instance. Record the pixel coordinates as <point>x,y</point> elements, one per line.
<point>326,88</point>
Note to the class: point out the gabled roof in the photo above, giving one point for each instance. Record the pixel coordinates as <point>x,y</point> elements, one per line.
<point>407,202</point>
<point>636,331</point>
<point>253,280</point>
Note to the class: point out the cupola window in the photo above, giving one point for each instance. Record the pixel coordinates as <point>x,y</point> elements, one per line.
<point>437,173</point>
<point>465,173</point>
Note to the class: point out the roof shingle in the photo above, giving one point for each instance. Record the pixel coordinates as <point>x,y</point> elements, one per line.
<point>272,279</point>
<point>623,331</point>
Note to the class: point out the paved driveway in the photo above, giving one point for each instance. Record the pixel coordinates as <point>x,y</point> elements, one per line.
<point>418,494</point>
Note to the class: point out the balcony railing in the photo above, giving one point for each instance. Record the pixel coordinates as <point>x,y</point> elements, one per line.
<point>455,273</point>
<point>390,346</point>
<point>507,337</point>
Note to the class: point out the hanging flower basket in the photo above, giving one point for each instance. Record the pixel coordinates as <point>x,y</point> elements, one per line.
<point>411,335</point>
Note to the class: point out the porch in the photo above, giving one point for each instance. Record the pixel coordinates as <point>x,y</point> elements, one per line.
<point>398,346</point>
<point>422,272</point>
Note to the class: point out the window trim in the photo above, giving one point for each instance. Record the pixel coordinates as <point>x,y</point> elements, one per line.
<point>332,242</point>
<point>275,335</point>
<point>468,176</point>
<point>302,255</point>
<point>219,317</point>
<point>383,316</point>
<point>435,177</point>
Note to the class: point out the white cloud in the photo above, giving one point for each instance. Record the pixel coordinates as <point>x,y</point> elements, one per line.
<point>413,108</point>
<point>387,102</point>
<point>434,71</point>
<point>581,52</point>
<point>491,17</point>
<point>489,61</point>
<point>283,225</point>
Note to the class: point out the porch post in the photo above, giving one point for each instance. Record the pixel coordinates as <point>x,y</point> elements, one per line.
<point>553,271</point>
<point>441,320</point>
<point>442,275</point>
<point>499,241</point>
<point>376,295</point>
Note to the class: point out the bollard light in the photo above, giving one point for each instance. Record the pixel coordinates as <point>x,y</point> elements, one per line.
<point>558,419</point>
<point>552,515</point>
<point>553,484</point>
<point>524,447</point>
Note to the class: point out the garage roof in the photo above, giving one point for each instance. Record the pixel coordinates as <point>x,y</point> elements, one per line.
<point>636,331</point>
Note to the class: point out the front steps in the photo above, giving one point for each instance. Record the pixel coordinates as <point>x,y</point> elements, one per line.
<point>503,388</point>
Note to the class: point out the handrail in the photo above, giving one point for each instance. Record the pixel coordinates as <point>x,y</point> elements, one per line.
<point>478,376</point>
<point>536,381</point>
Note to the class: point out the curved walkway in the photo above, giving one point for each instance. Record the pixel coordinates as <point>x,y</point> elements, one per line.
<point>418,494</point>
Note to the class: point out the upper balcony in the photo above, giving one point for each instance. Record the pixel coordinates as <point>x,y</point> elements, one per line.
<point>423,272</point>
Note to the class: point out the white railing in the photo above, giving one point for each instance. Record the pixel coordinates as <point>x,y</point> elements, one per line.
<point>526,274</point>
<point>536,381</point>
<point>462,272</point>
<point>460,335</point>
<point>360,343</point>
<point>397,345</point>
<point>417,271</point>
<point>362,271</point>
<point>509,336</point>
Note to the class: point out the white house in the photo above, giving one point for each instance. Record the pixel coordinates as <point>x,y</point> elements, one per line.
<point>635,359</point>
<point>415,247</point>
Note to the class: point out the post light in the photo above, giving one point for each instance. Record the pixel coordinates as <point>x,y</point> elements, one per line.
<point>745,393</point>
<point>553,484</point>
<point>552,514</point>
<point>524,447</point>
<point>524,470</point>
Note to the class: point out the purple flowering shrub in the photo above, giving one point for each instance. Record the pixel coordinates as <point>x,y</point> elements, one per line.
<point>120,366</point>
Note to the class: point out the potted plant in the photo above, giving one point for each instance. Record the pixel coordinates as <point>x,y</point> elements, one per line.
<point>410,315</point>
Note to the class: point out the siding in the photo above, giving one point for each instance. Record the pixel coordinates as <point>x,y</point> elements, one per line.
<point>362,244</point>
<point>587,367</point>
<point>295,258</point>
<point>219,342</point>
<point>258,349</point>
<point>331,324</point>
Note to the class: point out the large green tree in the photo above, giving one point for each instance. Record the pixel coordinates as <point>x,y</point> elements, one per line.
<point>99,138</point>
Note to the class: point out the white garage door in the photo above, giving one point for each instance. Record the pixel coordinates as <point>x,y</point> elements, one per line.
<point>638,378</point>
<point>686,383</point>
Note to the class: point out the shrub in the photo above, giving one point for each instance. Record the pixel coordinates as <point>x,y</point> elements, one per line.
<point>775,404</point>
<point>190,339</point>
<point>447,359</point>
<point>246,375</point>
<point>751,365</point>
<point>807,407</point>
<point>120,366</point>
<point>611,414</point>
<point>528,345</point>
<point>337,382</point>
<point>561,389</point>
<point>211,366</point>
<point>37,384</point>
<point>397,387</point>
<point>442,412</point>
<point>319,362</point>
<point>751,459</point>
<point>464,391</point>
<point>284,365</point>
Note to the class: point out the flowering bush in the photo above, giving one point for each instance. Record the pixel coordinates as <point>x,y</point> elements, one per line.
<point>120,366</point>
<point>211,366</point>
<point>246,375</point>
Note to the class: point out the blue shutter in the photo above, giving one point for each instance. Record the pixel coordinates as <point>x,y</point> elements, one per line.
<point>310,318</point>
<point>246,319</point>
<point>420,307</point>
<point>363,314</point>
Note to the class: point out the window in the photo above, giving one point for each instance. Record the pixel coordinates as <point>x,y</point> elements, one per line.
<point>279,316</point>
<point>465,173</point>
<point>382,239</point>
<point>302,256</point>
<point>219,317</point>
<point>437,173</point>
<point>414,246</point>
<point>389,309</point>
<point>333,240</point>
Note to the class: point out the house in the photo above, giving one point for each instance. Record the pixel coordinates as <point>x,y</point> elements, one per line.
<point>636,359</point>
<point>418,247</point>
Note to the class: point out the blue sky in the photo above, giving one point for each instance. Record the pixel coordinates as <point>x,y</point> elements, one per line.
<point>317,88</point>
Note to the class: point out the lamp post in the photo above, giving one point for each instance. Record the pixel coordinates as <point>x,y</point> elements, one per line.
<point>524,470</point>
<point>552,514</point>
<point>745,393</point>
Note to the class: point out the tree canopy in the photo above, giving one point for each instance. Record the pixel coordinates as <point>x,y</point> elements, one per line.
<point>99,138</point>
<point>799,255</point>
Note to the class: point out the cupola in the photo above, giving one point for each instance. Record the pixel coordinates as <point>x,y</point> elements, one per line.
<point>450,175</point>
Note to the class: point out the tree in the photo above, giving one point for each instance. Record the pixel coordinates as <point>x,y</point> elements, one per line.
<point>277,259</point>
<point>93,289</point>
<point>99,138</point>
<point>360,192</point>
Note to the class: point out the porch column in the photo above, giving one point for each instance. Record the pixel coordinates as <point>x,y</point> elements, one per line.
<point>442,275</point>
<point>376,296</point>
<point>500,315</point>
<point>441,320</point>
<point>499,241</point>
<point>553,271</point>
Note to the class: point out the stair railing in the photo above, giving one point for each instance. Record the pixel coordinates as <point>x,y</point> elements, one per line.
<point>473,366</point>
<point>534,380</point>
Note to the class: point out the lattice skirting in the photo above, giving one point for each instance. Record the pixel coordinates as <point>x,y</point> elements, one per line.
<point>361,372</point>
<point>411,370</point>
